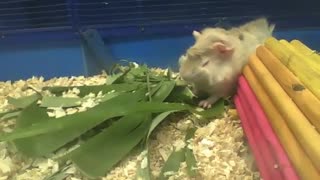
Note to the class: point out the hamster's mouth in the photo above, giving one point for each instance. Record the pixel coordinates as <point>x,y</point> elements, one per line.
<point>188,77</point>
<point>191,77</point>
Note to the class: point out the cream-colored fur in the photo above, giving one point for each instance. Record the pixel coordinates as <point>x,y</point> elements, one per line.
<point>216,74</point>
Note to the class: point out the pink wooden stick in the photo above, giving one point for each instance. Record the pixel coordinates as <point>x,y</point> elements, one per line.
<point>264,126</point>
<point>262,143</point>
<point>253,141</point>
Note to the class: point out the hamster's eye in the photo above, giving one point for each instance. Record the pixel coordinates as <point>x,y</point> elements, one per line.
<point>205,63</point>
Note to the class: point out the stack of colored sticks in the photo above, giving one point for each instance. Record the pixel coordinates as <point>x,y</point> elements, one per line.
<point>278,101</point>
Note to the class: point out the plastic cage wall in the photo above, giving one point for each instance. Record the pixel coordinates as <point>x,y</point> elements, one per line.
<point>37,21</point>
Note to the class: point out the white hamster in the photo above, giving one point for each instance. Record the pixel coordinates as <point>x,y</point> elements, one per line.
<point>212,65</point>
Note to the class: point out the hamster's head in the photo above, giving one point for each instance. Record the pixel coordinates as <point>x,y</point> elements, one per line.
<point>193,68</point>
<point>203,58</point>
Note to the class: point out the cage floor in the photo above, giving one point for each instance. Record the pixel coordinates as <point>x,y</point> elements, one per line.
<point>219,146</point>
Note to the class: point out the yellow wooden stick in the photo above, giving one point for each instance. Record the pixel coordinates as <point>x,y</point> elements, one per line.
<point>305,70</point>
<point>306,56</point>
<point>300,161</point>
<point>303,48</point>
<point>306,134</point>
<point>303,98</point>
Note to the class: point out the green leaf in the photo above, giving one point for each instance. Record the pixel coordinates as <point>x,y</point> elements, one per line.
<point>59,175</point>
<point>173,163</point>
<point>148,86</point>
<point>113,78</point>
<point>144,173</point>
<point>9,115</point>
<point>181,94</point>
<point>40,129</point>
<point>190,134</point>
<point>23,101</point>
<point>118,106</point>
<point>108,88</point>
<point>177,157</point>
<point>214,112</point>
<point>107,148</point>
<point>117,78</point>
<point>157,120</point>
<point>155,88</point>
<point>164,91</point>
<point>53,101</point>
<point>139,71</point>
<point>181,83</point>
<point>85,90</point>
<point>190,158</point>
<point>8,112</point>
<point>108,96</point>
<point>35,128</point>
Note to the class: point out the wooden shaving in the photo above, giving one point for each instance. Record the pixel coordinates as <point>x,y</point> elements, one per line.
<point>219,146</point>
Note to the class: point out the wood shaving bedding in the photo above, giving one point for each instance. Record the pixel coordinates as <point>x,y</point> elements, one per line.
<point>219,146</point>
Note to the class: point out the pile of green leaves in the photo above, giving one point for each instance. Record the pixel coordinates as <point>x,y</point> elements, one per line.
<point>136,101</point>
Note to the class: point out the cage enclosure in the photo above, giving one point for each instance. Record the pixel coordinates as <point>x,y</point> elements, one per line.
<point>75,38</point>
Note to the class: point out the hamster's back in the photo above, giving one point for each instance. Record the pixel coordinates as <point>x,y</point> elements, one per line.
<point>259,28</point>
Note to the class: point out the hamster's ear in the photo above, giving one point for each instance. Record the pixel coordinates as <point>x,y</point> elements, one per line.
<point>196,34</point>
<point>222,48</point>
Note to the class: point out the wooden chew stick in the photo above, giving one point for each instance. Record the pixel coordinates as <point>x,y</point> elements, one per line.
<point>263,125</point>
<point>302,48</point>
<point>307,102</point>
<point>303,165</point>
<point>306,69</point>
<point>312,57</point>
<point>261,142</point>
<point>260,160</point>
<point>303,130</point>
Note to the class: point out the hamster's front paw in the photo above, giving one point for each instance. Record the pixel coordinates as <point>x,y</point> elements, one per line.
<point>205,104</point>
<point>208,102</point>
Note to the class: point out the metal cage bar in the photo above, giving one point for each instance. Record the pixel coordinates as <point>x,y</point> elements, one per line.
<point>128,17</point>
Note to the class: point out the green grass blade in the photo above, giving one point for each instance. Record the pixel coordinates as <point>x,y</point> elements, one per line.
<point>181,94</point>
<point>30,115</point>
<point>84,90</point>
<point>214,112</point>
<point>36,129</point>
<point>60,175</point>
<point>113,78</point>
<point>8,112</point>
<point>148,86</point>
<point>173,163</point>
<point>164,91</point>
<point>107,148</point>
<point>157,120</point>
<point>144,172</point>
<point>109,88</point>
<point>23,101</point>
<point>63,130</point>
<point>190,158</point>
<point>53,101</point>
<point>109,96</point>
<point>10,115</point>
<point>96,115</point>
<point>118,106</point>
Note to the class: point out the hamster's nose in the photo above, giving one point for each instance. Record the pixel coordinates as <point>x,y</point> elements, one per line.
<point>187,76</point>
